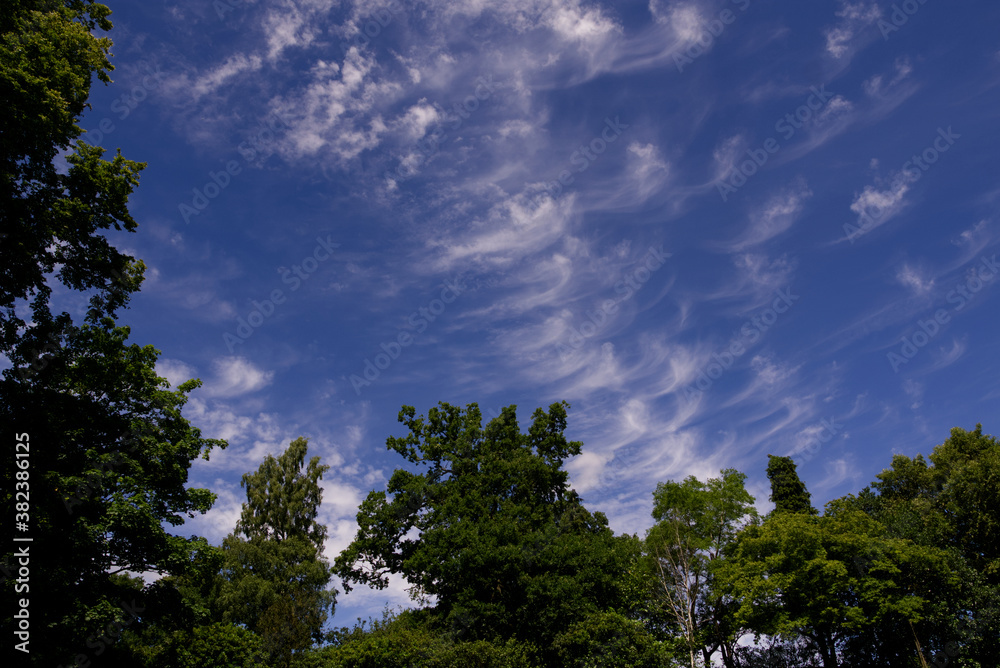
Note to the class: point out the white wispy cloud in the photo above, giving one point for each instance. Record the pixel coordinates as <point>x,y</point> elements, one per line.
<point>913,278</point>
<point>293,24</point>
<point>175,371</point>
<point>855,17</point>
<point>216,77</point>
<point>875,207</point>
<point>775,216</point>
<point>234,376</point>
<point>945,356</point>
<point>648,171</point>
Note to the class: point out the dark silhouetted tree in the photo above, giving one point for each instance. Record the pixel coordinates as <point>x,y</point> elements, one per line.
<point>788,492</point>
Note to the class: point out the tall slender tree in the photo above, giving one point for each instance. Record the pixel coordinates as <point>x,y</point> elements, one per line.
<point>788,492</point>
<point>276,576</point>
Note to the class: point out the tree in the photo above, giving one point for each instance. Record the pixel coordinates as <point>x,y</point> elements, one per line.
<point>950,501</point>
<point>788,492</point>
<point>208,645</point>
<point>407,639</point>
<point>695,523</point>
<point>499,538</point>
<point>394,641</point>
<point>796,575</point>
<point>51,218</point>
<point>777,653</point>
<point>275,575</point>
<point>109,458</point>
<point>179,608</point>
<point>220,646</point>
<point>109,449</point>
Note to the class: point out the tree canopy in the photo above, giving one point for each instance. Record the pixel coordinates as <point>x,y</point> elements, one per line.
<point>695,523</point>
<point>491,529</point>
<point>52,218</point>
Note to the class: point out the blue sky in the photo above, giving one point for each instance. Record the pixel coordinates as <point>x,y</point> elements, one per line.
<point>719,229</point>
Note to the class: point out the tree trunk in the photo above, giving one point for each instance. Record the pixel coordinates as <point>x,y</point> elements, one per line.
<point>826,650</point>
<point>728,659</point>
<point>920,652</point>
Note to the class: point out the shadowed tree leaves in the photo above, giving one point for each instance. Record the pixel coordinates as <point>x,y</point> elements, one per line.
<point>110,455</point>
<point>110,451</point>
<point>949,501</point>
<point>796,575</point>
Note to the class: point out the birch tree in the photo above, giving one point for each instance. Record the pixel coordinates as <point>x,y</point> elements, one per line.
<point>695,522</point>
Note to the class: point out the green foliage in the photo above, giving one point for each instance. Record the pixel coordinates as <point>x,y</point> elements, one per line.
<point>110,455</point>
<point>796,575</point>
<point>788,492</point>
<point>395,641</point>
<point>484,654</point>
<point>695,523</point>
<point>51,218</point>
<point>208,645</point>
<point>275,577</point>
<point>110,451</point>
<point>410,639</point>
<point>781,653</point>
<point>282,500</point>
<point>610,640</point>
<point>959,494</point>
<point>221,646</point>
<point>501,540</point>
<point>950,503</point>
<point>176,605</point>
